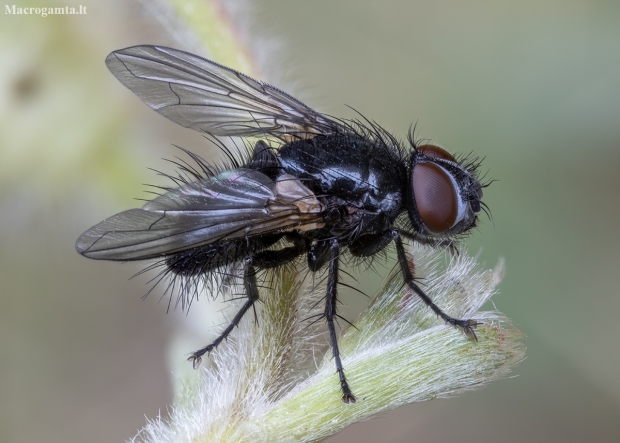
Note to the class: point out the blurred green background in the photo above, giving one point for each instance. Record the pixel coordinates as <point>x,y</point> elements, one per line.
<point>534,87</point>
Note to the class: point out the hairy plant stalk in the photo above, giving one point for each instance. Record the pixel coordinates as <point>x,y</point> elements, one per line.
<point>397,352</point>
<point>205,27</point>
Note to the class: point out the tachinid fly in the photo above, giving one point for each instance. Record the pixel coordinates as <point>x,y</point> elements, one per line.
<point>313,185</point>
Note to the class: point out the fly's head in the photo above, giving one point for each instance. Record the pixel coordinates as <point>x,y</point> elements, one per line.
<point>443,195</point>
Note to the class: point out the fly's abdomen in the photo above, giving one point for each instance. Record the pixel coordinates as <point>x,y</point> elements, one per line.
<point>197,261</point>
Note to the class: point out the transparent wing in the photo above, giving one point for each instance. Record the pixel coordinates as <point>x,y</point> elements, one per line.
<point>205,96</point>
<point>232,205</point>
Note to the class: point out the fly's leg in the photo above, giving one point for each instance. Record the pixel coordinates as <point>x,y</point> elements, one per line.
<point>331,301</point>
<point>251,289</point>
<point>272,259</point>
<point>262,260</point>
<point>467,325</point>
<point>368,245</point>
<point>318,254</point>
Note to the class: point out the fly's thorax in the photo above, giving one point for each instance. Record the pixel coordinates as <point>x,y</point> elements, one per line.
<point>365,174</point>
<point>443,196</point>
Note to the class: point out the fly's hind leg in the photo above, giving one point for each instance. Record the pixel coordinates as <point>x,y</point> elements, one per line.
<point>251,289</point>
<point>262,260</point>
<point>466,325</point>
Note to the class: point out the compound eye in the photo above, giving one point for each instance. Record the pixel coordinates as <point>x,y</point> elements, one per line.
<point>435,197</point>
<point>434,151</point>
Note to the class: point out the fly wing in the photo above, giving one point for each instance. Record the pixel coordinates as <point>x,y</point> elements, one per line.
<point>232,205</point>
<point>205,96</point>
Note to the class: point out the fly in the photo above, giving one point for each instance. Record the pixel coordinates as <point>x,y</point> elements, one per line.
<point>313,185</point>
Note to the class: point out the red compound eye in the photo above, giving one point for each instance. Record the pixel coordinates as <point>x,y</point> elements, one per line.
<point>435,152</point>
<point>435,196</point>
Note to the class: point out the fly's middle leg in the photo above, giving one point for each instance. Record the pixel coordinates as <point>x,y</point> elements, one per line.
<point>331,304</point>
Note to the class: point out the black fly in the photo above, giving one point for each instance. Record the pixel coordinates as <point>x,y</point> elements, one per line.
<point>329,187</point>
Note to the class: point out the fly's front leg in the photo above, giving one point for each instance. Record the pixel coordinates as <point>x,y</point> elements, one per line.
<point>331,304</point>
<point>369,245</point>
<point>251,289</point>
<point>467,325</point>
